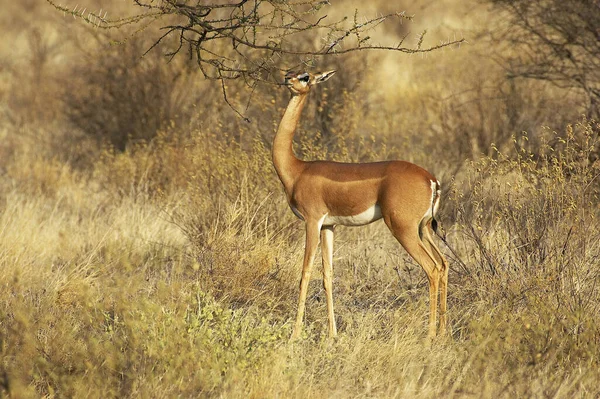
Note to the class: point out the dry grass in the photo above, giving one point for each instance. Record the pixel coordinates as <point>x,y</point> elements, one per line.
<point>170,268</point>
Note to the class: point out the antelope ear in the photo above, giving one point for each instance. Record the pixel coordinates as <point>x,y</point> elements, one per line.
<point>321,77</point>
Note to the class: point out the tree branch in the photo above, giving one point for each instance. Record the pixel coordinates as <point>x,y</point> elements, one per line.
<point>242,39</point>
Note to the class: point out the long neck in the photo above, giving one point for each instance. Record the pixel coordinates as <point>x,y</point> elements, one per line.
<point>286,163</point>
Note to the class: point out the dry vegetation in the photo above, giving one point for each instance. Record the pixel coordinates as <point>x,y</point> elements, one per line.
<point>146,248</point>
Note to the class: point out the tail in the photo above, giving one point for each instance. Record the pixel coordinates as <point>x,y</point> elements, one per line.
<point>435,203</point>
<point>434,225</point>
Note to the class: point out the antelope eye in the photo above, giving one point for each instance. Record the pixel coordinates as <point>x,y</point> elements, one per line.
<point>304,78</point>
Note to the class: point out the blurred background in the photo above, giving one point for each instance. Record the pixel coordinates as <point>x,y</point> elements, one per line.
<point>73,88</point>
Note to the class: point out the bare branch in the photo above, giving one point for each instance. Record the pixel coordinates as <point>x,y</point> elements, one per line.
<point>254,39</point>
<point>556,41</point>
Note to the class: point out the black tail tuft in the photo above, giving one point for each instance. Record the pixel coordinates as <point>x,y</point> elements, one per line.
<point>438,229</point>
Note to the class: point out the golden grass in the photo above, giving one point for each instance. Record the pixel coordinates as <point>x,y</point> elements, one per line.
<point>170,269</point>
<point>109,292</point>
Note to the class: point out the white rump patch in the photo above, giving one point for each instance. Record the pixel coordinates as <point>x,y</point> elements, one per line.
<point>436,203</point>
<point>431,209</point>
<point>370,215</point>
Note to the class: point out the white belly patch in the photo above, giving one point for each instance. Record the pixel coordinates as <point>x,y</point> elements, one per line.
<point>370,215</point>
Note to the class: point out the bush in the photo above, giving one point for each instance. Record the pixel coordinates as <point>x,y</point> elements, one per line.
<point>117,95</point>
<point>527,230</point>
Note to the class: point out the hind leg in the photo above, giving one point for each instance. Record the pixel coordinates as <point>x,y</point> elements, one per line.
<point>408,236</point>
<point>443,282</point>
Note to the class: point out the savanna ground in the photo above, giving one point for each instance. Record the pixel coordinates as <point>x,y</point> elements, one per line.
<point>147,250</point>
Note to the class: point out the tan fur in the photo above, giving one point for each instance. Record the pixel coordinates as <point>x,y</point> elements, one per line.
<point>323,193</point>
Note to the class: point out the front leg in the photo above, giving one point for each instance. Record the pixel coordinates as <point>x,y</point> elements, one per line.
<point>312,241</point>
<point>327,253</point>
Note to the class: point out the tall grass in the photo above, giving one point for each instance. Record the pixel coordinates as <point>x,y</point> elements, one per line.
<point>168,265</point>
<point>146,291</point>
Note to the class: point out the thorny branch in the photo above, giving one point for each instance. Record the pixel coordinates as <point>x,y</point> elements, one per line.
<point>557,41</point>
<point>252,39</point>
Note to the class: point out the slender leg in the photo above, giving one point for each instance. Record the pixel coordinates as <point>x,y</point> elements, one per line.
<point>443,281</point>
<point>443,299</point>
<point>417,250</point>
<point>312,241</point>
<point>327,252</point>
<point>408,236</point>
<point>434,280</point>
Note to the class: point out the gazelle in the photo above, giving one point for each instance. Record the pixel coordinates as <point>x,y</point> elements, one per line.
<point>325,194</point>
